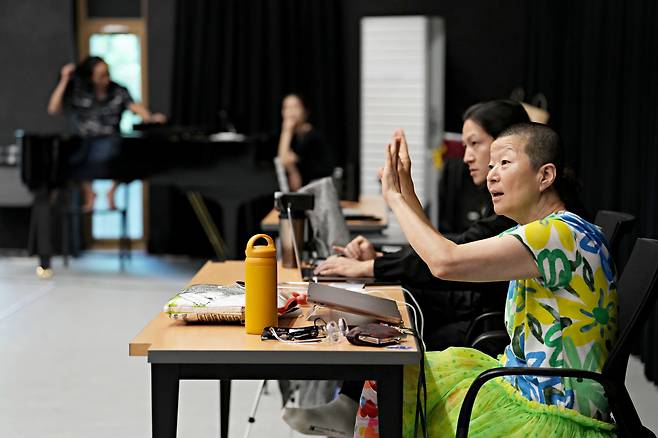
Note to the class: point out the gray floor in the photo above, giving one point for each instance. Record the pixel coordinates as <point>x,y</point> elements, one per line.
<point>64,365</point>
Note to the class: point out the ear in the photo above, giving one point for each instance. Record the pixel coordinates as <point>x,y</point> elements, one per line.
<point>547,174</point>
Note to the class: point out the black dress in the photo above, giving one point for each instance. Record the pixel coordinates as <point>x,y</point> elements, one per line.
<point>316,157</point>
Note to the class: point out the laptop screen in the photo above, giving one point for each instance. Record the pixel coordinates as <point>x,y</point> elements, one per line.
<point>326,218</point>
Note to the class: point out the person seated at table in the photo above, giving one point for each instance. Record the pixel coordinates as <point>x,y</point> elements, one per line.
<point>302,149</point>
<point>452,304</point>
<point>561,307</point>
<point>95,104</point>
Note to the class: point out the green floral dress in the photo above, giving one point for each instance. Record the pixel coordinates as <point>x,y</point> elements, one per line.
<point>566,317</point>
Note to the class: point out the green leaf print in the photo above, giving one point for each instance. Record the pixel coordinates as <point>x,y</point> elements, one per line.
<point>565,322</point>
<point>594,359</point>
<point>554,313</point>
<point>555,343</point>
<point>573,360</point>
<point>549,273</point>
<point>588,392</point>
<point>576,263</point>
<point>572,291</point>
<point>535,327</point>
<point>588,275</point>
<point>517,348</point>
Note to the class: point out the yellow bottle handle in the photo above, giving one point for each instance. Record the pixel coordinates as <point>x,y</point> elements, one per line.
<point>250,243</point>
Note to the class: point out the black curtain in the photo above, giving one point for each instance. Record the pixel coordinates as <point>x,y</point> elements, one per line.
<point>597,63</point>
<point>243,56</point>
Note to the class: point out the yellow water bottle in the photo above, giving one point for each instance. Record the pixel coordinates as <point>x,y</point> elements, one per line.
<point>260,285</point>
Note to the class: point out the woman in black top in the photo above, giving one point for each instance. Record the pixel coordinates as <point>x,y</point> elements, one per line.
<point>94,104</point>
<point>302,150</point>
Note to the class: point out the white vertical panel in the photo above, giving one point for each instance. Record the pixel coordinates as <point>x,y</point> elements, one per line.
<point>393,93</point>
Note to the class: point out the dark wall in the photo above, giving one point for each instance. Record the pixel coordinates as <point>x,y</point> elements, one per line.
<point>161,25</point>
<point>485,55</point>
<point>37,39</point>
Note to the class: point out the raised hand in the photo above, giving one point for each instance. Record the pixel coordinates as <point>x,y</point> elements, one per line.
<point>67,71</point>
<point>390,177</point>
<point>404,164</point>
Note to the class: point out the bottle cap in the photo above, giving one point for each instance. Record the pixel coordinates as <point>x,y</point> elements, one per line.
<point>260,251</point>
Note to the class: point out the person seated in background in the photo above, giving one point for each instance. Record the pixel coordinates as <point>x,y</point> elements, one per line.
<point>94,104</point>
<point>302,150</point>
<point>561,308</point>
<point>452,305</point>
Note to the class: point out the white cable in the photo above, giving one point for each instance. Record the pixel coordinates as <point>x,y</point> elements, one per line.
<point>413,310</point>
<point>422,319</point>
<point>419,333</point>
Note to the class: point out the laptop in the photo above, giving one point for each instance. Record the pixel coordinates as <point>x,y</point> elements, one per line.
<point>281,176</point>
<point>307,274</point>
<point>345,300</point>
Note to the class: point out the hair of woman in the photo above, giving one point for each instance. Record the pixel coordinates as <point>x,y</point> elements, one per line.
<point>495,115</point>
<point>85,69</point>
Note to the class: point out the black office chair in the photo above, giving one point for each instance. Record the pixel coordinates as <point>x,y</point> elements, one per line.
<point>638,290</point>
<point>615,226</point>
<point>487,333</point>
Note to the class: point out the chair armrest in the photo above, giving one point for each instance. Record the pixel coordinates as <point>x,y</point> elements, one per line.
<point>480,320</point>
<point>487,337</point>
<point>485,376</point>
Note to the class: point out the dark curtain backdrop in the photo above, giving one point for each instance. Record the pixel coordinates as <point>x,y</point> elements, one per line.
<point>597,63</point>
<point>243,56</point>
<point>595,60</point>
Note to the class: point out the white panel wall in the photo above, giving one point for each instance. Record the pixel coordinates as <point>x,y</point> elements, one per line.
<point>402,78</point>
<point>393,69</point>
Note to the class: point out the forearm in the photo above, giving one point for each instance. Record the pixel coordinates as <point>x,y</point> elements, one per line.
<point>429,244</point>
<point>284,143</point>
<point>141,111</point>
<point>414,203</point>
<point>55,104</point>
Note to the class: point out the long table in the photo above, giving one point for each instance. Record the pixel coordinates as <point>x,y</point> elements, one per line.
<point>178,351</point>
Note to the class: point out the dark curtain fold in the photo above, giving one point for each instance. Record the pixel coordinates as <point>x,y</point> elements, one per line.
<point>597,63</point>
<point>243,56</point>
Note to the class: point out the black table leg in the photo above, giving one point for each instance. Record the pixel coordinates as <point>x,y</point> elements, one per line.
<point>164,400</point>
<point>389,399</point>
<point>224,406</point>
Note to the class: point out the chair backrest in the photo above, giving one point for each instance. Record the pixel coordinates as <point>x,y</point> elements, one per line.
<point>615,225</point>
<point>638,290</point>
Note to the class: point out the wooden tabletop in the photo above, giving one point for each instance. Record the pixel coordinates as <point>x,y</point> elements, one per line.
<point>367,205</point>
<point>165,340</point>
